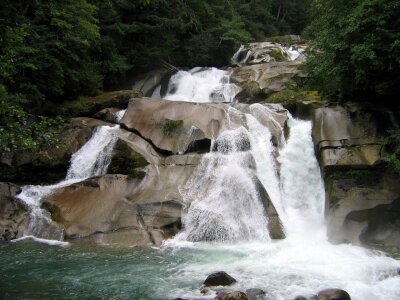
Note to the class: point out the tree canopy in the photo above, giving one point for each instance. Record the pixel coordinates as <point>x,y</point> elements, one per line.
<point>355,48</point>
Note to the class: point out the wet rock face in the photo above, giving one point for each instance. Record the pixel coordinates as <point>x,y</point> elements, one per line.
<point>360,192</point>
<point>219,278</point>
<point>12,212</point>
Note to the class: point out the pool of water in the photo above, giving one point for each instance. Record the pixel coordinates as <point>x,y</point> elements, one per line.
<point>283,269</point>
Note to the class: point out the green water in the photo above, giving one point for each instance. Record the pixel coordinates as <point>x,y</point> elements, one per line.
<point>284,269</point>
<point>34,271</point>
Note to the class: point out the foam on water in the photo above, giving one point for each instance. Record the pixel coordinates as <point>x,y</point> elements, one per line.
<point>41,241</point>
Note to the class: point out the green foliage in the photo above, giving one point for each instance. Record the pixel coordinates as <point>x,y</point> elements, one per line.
<point>21,131</point>
<point>169,127</point>
<point>277,54</point>
<point>391,150</point>
<point>355,47</point>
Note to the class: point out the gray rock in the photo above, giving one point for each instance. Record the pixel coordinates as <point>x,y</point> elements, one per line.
<point>219,278</point>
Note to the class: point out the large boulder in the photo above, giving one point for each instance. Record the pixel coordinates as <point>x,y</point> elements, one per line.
<point>12,212</point>
<point>175,126</point>
<point>128,210</point>
<point>261,80</point>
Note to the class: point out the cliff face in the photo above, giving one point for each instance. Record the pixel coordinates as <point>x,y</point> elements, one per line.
<point>361,193</point>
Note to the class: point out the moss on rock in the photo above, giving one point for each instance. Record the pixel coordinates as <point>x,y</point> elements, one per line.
<point>169,127</point>
<point>127,161</point>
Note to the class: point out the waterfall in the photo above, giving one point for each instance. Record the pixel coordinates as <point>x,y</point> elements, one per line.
<point>302,190</point>
<point>225,202</point>
<point>92,159</point>
<point>201,85</point>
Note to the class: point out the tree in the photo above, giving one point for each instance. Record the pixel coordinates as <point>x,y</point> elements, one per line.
<point>355,47</point>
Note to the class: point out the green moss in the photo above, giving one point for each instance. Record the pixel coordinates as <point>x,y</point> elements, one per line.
<point>126,161</point>
<point>291,96</point>
<point>277,55</point>
<point>169,127</point>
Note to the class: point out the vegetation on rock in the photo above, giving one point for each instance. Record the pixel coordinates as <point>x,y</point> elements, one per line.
<point>169,127</point>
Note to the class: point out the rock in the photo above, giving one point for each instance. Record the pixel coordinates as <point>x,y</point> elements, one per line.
<point>254,293</point>
<point>236,296</point>
<point>383,224</point>
<point>351,135</point>
<point>219,278</point>
<point>360,192</point>
<point>221,293</point>
<point>261,80</point>
<point>172,125</point>
<point>48,165</point>
<point>12,212</point>
<point>117,209</point>
<point>332,294</point>
<point>147,83</point>
<point>300,298</point>
<point>361,206</point>
<point>275,226</point>
<point>126,161</point>
<point>108,114</point>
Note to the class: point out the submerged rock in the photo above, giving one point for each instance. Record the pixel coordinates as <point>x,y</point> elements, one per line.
<point>219,278</point>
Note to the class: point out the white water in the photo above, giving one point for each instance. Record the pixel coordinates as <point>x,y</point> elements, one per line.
<point>120,114</point>
<point>225,202</point>
<point>201,85</point>
<point>303,263</point>
<point>92,159</point>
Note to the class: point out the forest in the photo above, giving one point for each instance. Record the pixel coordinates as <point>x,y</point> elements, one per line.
<point>55,51</point>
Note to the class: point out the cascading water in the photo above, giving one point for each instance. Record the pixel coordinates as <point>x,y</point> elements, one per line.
<point>201,85</point>
<point>302,191</point>
<point>225,204</point>
<point>92,159</point>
